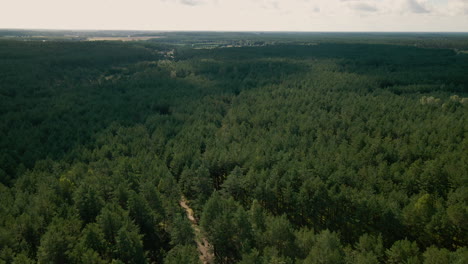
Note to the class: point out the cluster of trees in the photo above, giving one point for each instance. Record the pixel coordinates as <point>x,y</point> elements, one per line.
<point>330,153</point>
<point>456,41</point>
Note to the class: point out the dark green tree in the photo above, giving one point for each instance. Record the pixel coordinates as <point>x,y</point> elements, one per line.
<point>59,240</point>
<point>404,251</point>
<point>129,247</point>
<point>182,254</point>
<point>327,249</point>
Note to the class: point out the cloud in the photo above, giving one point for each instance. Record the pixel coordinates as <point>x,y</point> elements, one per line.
<point>457,7</point>
<point>235,15</point>
<point>191,2</point>
<point>270,4</point>
<point>367,6</point>
<point>364,7</point>
<point>416,7</point>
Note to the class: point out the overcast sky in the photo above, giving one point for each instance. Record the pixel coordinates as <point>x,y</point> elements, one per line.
<point>238,15</point>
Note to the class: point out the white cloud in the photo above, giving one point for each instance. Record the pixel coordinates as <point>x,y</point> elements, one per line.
<point>364,7</point>
<point>457,7</point>
<point>416,7</point>
<point>191,2</point>
<point>297,15</point>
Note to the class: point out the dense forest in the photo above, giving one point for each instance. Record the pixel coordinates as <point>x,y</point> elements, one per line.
<point>343,149</point>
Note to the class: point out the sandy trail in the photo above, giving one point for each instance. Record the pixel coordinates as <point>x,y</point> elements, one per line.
<point>205,249</point>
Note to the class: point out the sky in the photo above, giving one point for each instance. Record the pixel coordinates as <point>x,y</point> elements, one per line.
<point>238,15</point>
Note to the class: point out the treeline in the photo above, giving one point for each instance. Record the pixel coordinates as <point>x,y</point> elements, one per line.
<point>330,153</point>
<point>456,41</point>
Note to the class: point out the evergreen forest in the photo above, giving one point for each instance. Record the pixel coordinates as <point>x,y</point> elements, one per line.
<point>235,148</point>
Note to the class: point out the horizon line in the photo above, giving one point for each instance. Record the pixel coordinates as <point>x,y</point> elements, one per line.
<point>226,31</point>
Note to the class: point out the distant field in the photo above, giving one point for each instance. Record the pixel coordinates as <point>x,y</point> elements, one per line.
<point>122,38</point>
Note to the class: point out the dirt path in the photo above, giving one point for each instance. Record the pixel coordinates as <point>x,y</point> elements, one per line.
<point>205,249</point>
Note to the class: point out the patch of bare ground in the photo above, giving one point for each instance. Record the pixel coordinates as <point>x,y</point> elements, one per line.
<point>204,247</point>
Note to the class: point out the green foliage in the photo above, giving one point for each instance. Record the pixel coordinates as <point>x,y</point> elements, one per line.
<point>404,251</point>
<point>129,247</point>
<point>182,254</point>
<point>305,239</point>
<point>227,227</point>
<point>434,255</point>
<point>327,249</point>
<point>111,219</point>
<point>196,184</point>
<point>369,249</point>
<point>92,241</point>
<point>181,231</point>
<point>23,259</point>
<point>291,148</point>
<point>279,234</point>
<point>58,242</point>
<point>141,213</point>
<point>88,201</point>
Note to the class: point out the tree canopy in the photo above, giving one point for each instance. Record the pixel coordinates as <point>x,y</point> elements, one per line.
<point>291,152</point>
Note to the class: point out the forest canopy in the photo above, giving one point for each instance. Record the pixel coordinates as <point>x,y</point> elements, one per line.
<point>288,148</point>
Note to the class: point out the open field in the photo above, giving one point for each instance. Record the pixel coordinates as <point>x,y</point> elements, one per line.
<point>128,38</point>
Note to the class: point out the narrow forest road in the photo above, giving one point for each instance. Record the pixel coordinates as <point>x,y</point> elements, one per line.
<point>204,248</point>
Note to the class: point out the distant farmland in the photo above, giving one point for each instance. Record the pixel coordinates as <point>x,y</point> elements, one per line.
<point>122,38</point>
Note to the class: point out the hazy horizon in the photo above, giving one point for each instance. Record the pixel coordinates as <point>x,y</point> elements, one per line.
<point>228,31</point>
<point>240,15</point>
